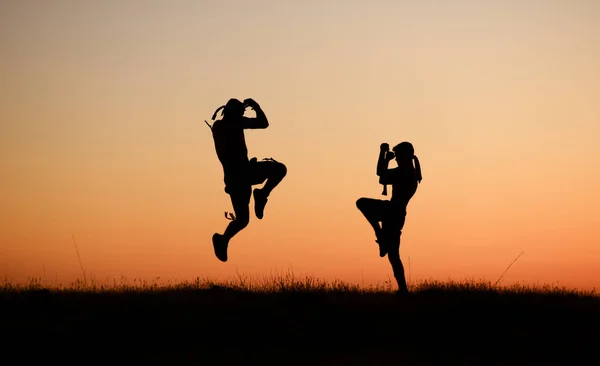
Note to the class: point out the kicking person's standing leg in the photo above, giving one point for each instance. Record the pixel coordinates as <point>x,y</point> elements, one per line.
<point>392,228</point>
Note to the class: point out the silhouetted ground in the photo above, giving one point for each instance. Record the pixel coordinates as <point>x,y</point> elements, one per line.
<point>290,322</point>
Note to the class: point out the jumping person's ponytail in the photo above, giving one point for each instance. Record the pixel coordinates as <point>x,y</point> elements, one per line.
<point>217,111</point>
<point>418,169</point>
<point>214,116</point>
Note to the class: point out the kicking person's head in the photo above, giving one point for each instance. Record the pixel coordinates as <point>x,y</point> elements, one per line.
<point>405,153</point>
<point>233,109</point>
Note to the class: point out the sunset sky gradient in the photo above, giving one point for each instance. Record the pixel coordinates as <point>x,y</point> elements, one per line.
<point>102,136</point>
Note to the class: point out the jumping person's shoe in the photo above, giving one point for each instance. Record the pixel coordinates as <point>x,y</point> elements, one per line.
<point>260,201</point>
<point>220,246</point>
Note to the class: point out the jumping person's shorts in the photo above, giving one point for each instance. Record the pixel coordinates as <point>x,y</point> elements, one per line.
<point>239,184</point>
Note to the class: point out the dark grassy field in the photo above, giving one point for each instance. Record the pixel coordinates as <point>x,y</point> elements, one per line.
<point>282,320</point>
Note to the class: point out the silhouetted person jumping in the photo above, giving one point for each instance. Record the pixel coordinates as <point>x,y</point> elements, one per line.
<point>392,214</point>
<point>240,173</point>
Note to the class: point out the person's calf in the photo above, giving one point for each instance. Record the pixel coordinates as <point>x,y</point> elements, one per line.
<point>402,286</point>
<point>277,172</point>
<point>397,267</point>
<point>235,226</point>
<point>260,201</point>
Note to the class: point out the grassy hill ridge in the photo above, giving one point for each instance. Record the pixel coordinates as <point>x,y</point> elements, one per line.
<point>306,320</point>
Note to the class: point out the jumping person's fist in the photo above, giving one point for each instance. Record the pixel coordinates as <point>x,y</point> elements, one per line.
<point>251,103</point>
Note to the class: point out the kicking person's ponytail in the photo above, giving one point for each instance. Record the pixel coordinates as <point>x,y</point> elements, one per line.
<point>418,169</point>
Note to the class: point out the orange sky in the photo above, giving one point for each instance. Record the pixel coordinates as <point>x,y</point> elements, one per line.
<point>102,136</point>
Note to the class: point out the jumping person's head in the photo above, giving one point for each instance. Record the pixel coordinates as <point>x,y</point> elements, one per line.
<point>233,109</point>
<point>405,153</point>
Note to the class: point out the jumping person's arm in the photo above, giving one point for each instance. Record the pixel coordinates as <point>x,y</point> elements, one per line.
<point>260,121</point>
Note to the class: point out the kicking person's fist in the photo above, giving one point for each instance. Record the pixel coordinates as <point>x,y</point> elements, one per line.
<point>384,147</point>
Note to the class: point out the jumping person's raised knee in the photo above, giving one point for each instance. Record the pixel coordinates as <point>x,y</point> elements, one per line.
<point>281,169</point>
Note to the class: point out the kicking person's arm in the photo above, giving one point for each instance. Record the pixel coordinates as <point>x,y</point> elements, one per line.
<point>388,176</point>
<point>260,121</point>
<point>385,175</point>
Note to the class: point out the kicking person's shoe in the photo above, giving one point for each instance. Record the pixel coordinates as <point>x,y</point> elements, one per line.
<point>382,244</point>
<point>382,247</point>
<point>260,201</point>
<point>220,244</point>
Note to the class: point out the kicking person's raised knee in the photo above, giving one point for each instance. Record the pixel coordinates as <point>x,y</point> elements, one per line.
<point>280,169</point>
<point>361,203</point>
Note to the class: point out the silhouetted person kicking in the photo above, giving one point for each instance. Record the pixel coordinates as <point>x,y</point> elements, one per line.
<point>240,173</point>
<point>392,214</point>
